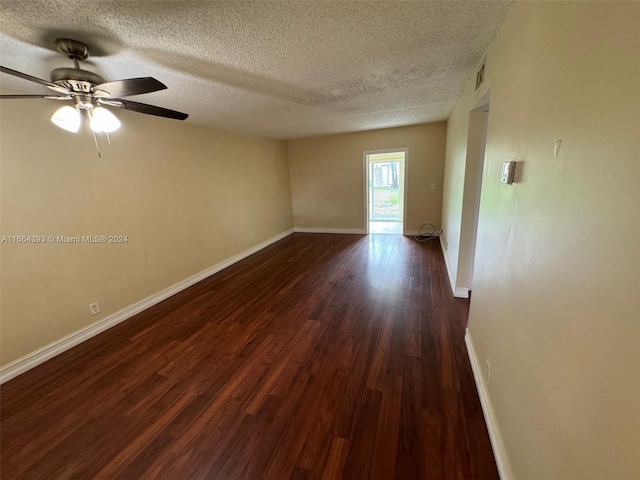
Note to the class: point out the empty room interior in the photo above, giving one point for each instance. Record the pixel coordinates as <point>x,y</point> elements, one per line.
<point>320,240</point>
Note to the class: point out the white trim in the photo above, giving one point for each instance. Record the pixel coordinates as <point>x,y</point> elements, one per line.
<point>365,186</point>
<point>357,231</point>
<point>416,233</point>
<point>485,105</point>
<point>499,452</point>
<point>43,354</point>
<point>458,292</point>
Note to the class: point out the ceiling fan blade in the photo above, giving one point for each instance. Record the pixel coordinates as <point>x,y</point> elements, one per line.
<point>131,86</point>
<point>143,108</point>
<point>31,78</point>
<point>48,97</point>
<point>110,102</point>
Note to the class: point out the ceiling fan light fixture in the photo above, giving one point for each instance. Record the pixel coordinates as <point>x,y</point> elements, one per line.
<point>102,120</point>
<point>67,118</point>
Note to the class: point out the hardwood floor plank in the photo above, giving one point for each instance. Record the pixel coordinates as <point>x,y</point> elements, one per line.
<point>339,361</point>
<point>346,414</point>
<point>337,456</point>
<point>141,442</point>
<point>319,357</point>
<point>360,455</point>
<point>320,397</point>
<point>234,458</point>
<point>388,431</point>
<point>271,441</point>
<point>411,435</point>
<point>377,367</point>
<point>286,367</point>
<point>414,320</point>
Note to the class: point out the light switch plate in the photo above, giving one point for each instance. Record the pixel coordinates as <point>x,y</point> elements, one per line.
<point>508,171</point>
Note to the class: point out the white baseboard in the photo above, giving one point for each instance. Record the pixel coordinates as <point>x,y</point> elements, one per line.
<point>43,354</point>
<point>499,452</point>
<point>458,292</point>
<point>358,231</point>
<point>416,233</point>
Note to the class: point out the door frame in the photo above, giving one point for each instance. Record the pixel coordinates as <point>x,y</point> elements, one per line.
<point>405,176</point>
<point>483,104</point>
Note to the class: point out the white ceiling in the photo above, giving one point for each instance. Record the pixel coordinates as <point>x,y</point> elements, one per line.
<point>284,69</point>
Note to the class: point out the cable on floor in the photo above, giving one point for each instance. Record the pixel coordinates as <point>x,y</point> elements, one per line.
<point>427,231</point>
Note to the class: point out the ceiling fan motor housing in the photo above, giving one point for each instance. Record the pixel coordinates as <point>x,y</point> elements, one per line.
<point>76,79</point>
<point>72,49</point>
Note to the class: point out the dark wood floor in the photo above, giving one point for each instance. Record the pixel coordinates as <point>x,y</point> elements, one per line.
<point>322,356</point>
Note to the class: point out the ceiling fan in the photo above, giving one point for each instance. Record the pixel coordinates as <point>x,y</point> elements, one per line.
<point>90,93</point>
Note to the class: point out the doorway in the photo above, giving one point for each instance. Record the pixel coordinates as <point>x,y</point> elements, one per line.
<point>476,145</point>
<point>385,191</point>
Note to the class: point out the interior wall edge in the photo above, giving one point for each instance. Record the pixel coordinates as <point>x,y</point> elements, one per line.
<point>459,292</point>
<point>35,358</point>
<point>499,452</point>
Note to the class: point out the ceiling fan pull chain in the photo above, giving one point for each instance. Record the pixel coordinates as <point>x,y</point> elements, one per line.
<point>96,142</point>
<point>108,139</point>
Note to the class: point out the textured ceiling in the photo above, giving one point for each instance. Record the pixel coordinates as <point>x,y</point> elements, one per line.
<point>284,69</point>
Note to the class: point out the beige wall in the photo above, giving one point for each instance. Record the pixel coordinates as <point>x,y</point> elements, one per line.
<point>453,182</point>
<point>186,196</point>
<point>327,184</point>
<point>555,301</point>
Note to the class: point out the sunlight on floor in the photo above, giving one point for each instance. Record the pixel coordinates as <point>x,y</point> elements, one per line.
<point>385,227</point>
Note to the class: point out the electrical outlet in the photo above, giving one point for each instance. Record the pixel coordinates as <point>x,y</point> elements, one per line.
<point>94,308</point>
